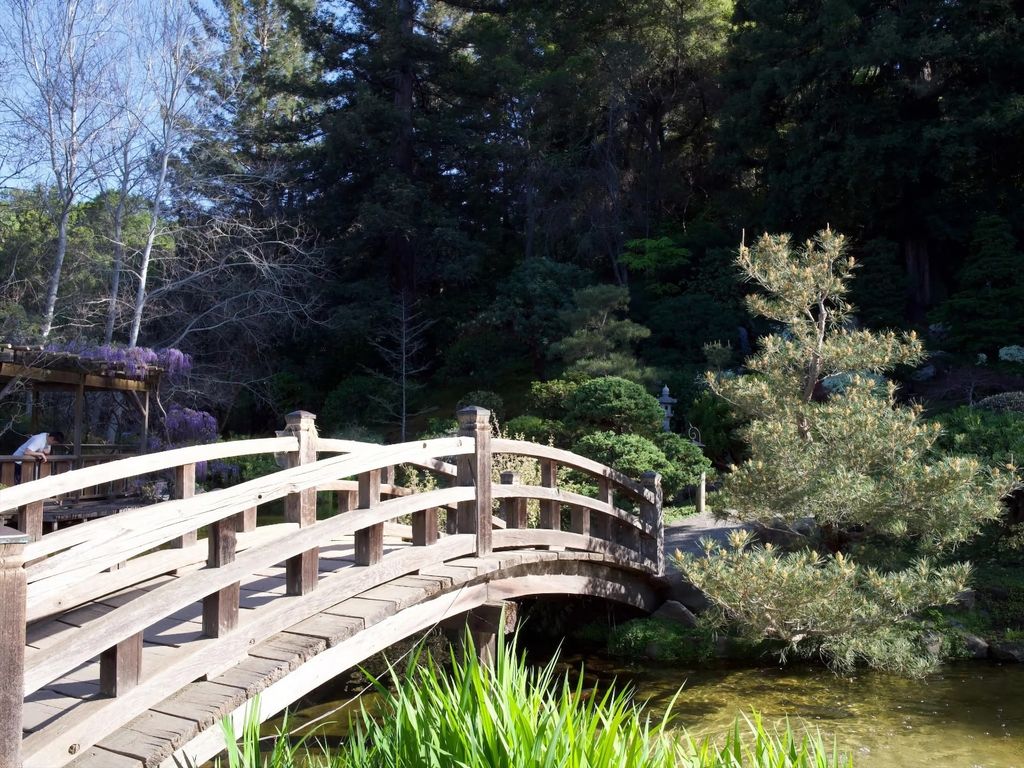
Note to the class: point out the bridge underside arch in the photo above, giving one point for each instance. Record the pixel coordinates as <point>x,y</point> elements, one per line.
<point>332,642</point>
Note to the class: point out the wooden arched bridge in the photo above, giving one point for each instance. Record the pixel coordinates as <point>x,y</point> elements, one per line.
<point>124,640</point>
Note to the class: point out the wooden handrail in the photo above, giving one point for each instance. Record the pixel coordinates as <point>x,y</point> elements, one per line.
<point>335,445</point>
<point>572,499</point>
<point>573,461</point>
<point>166,520</point>
<point>76,480</point>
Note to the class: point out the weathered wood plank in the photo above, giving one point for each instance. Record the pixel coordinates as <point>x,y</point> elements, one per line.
<point>332,629</point>
<point>475,470</point>
<point>220,608</point>
<point>252,674</point>
<point>185,488</point>
<point>14,589</point>
<point>369,611</point>
<point>97,757</point>
<point>401,597</point>
<point>30,519</point>
<point>171,631</point>
<point>121,666</point>
<point>369,541</point>
<point>550,508</point>
<point>151,737</point>
<point>291,648</point>
<point>40,712</point>
<point>79,479</point>
<point>204,703</point>
<point>513,510</point>
<point>567,459</point>
<point>300,506</point>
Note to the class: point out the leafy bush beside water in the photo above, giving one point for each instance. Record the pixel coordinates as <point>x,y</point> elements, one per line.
<point>479,716</point>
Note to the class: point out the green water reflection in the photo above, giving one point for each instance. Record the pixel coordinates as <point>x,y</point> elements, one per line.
<point>966,716</point>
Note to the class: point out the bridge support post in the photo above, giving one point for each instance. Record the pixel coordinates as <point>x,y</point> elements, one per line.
<point>601,524</point>
<point>424,527</point>
<point>13,587</point>
<point>513,510</point>
<point>651,514</point>
<point>482,626</point>
<point>550,511</point>
<point>475,470</point>
<point>302,571</point>
<point>121,666</point>
<point>30,519</point>
<point>245,521</point>
<point>185,488</point>
<point>220,609</point>
<point>369,540</point>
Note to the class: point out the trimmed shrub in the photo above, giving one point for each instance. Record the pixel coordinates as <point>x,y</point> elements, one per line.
<point>684,454</point>
<point>632,455</point>
<point>614,404</point>
<point>534,428</point>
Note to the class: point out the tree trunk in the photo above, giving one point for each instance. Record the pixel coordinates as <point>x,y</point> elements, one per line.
<point>401,251</point>
<point>147,252</point>
<point>919,277</point>
<point>115,274</point>
<point>58,264</point>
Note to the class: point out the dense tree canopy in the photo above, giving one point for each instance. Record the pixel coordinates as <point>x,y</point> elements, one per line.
<point>554,186</point>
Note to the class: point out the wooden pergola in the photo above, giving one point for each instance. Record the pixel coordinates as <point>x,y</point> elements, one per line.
<point>46,371</point>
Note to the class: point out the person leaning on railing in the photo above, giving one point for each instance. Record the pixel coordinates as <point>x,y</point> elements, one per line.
<point>36,447</point>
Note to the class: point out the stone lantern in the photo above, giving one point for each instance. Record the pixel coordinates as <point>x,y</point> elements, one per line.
<point>667,401</point>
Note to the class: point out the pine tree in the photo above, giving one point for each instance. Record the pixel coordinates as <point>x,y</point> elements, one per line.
<point>984,314</point>
<point>844,470</point>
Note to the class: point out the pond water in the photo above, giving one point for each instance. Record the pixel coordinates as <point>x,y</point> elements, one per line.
<point>968,715</point>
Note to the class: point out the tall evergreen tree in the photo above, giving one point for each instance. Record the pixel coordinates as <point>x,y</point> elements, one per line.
<point>889,118</point>
<point>983,315</point>
<point>850,474</point>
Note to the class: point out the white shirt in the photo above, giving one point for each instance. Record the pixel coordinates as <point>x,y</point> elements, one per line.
<point>35,443</point>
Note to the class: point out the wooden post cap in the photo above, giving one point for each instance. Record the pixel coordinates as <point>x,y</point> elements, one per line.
<point>299,417</point>
<point>650,479</point>
<point>474,417</point>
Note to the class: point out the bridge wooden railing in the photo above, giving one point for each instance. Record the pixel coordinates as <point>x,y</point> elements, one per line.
<point>67,462</point>
<point>45,576</point>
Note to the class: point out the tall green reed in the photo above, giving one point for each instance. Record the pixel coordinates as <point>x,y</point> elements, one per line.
<point>511,715</point>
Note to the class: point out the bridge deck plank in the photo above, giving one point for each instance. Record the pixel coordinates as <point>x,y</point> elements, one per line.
<point>443,582</point>
<point>204,702</point>
<point>332,629</point>
<point>253,674</point>
<point>369,611</point>
<point>150,734</point>
<point>401,596</point>
<point>291,648</point>
<point>97,756</point>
